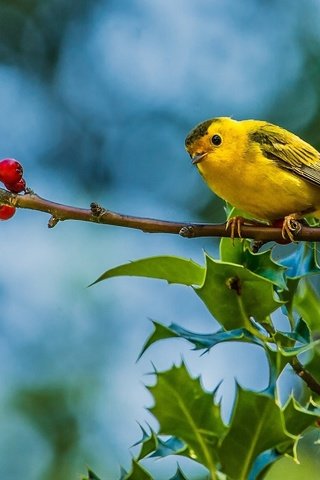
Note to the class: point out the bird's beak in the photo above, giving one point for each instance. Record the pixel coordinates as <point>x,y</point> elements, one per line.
<point>198,158</point>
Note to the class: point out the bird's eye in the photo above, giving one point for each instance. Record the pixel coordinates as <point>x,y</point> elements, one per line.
<point>216,140</point>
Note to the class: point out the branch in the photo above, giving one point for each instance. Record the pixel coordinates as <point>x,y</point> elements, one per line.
<point>96,214</point>
<point>297,366</point>
<point>306,376</point>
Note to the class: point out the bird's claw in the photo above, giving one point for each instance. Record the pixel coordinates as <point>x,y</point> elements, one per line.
<point>235,223</point>
<point>290,227</point>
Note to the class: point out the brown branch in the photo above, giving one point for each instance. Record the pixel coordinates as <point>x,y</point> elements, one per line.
<point>306,376</point>
<point>297,366</point>
<point>96,214</point>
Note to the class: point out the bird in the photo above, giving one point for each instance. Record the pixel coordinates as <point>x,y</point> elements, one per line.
<point>260,168</point>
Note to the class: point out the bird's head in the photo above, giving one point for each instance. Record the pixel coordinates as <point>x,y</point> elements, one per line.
<point>212,140</point>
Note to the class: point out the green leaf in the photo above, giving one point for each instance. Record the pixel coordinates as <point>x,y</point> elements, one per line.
<point>91,476</point>
<point>306,303</point>
<point>233,294</point>
<point>199,340</point>
<point>179,475</point>
<point>313,364</point>
<point>171,446</point>
<point>149,443</point>
<point>296,342</point>
<point>137,472</point>
<point>302,331</point>
<point>298,418</point>
<point>263,463</point>
<point>154,446</point>
<point>170,268</point>
<point>256,426</point>
<point>160,332</point>
<point>232,251</point>
<point>288,296</point>
<point>260,263</point>
<point>184,410</point>
<point>297,350</point>
<point>277,362</point>
<point>303,261</point>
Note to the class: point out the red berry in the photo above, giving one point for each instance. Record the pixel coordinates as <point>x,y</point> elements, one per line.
<point>11,171</point>
<point>6,212</point>
<point>16,187</point>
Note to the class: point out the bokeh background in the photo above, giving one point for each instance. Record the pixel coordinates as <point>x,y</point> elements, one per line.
<point>96,98</point>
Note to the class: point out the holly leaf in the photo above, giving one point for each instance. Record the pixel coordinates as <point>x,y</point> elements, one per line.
<point>306,303</point>
<point>154,446</point>
<point>179,475</point>
<point>302,331</point>
<point>260,263</point>
<point>256,426</point>
<point>91,476</point>
<point>170,268</point>
<point>149,443</point>
<point>302,261</point>
<point>288,297</point>
<point>184,410</point>
<point>137,472</point>
<point>298,418</point>
<point>295,342</point>
<point>297,350</point>
<point>313,365</point>
<point>171,446</point>
<point>199,340</point>
<point>276,363</point>
<point>233,294</point>
<point>263,463</point>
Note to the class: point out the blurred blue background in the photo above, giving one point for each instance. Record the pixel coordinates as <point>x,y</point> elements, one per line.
<point>96,99</point>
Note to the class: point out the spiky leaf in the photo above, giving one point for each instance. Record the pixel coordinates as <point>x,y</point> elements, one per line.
<point>199,340</point>
<point>154,446</point>
<point>256,426</point>
<point>91,476</point>
<point>179,475</point>
<point>303,261</point>
<point>183,409</point>
<point>137,472</point>
<point>260,263</point>
<point>233,294</point>
<point>263,463</point>
<point>170,268</point>
<point>306,302</point>
<point>297,418</point>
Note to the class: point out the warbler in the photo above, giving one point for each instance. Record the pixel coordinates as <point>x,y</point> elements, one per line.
<point>260,168</point>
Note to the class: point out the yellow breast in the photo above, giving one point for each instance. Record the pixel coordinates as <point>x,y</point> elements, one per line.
<point>256,184</point>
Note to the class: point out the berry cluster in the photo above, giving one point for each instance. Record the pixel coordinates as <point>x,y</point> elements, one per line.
<point>11,173</point>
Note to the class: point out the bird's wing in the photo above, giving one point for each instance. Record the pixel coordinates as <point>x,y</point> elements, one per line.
<point>288,151</point>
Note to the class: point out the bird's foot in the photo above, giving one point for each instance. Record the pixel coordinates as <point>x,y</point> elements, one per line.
<point>291,227</point>
<point>234,224</point>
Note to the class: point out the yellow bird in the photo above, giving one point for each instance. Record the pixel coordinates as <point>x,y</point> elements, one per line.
<point>260,168</point>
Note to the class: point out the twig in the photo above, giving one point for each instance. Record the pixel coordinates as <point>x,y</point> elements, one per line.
<point>96,214</point>
<point>306,376</point>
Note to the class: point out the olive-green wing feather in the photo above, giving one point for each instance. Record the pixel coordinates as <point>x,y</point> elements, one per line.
<point>288,151</point>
